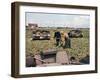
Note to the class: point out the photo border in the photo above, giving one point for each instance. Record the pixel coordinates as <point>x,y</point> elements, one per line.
<point>15,6</point>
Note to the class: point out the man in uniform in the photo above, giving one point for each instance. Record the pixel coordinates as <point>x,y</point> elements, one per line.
<point>57,37</point>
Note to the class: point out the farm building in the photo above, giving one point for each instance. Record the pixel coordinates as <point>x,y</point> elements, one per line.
<point>32,26</point>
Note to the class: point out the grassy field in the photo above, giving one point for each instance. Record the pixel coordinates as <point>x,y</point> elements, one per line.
<point>79,46</point>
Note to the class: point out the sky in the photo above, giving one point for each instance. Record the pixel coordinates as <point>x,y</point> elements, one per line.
<point>58,20</point>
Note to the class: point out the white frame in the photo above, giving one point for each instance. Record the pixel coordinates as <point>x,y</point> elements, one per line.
<point>24,70</point>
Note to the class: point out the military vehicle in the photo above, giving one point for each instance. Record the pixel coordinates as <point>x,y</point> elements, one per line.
<point>41,35</point>
<point>75,34</point>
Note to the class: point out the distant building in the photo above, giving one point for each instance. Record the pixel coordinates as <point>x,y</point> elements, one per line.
<point>32,26</point>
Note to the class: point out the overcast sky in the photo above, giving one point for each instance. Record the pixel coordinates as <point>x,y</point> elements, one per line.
<point>58,20</point>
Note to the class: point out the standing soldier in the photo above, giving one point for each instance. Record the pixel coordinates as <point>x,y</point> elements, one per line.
<point>57,36</point>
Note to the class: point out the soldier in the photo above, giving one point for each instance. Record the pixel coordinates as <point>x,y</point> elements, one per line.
<point>57,36</point>
<point>65,40</point>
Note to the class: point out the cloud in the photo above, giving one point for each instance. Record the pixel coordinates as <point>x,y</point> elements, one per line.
<point>58,20</point>
<point>80,21</point>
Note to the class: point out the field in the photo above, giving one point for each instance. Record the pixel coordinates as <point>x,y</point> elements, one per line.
<point>79,46</point>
